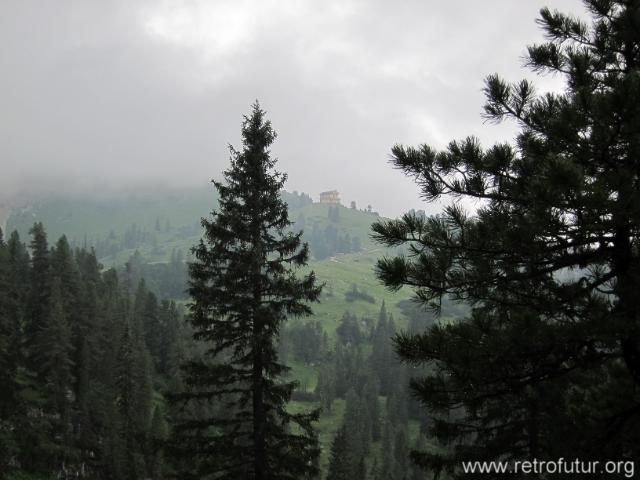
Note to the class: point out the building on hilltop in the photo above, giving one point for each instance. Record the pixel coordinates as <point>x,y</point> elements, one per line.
<point>332,196</point>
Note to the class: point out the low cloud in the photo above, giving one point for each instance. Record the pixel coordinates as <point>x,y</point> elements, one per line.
<point>108,94</point>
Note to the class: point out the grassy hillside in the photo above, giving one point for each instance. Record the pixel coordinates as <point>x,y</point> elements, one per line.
<point>169,220</point>
<point>80,217</point>
<point>339,274</point>
<point>165,221</point>
<point>355,222</point>
<point>156,222</point>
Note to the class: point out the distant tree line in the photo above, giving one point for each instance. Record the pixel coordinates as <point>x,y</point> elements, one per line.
<point>295,200</point>
<point>373,388</point>
<point>326,242</point>
<point>165,279</point>
<point>136,236</point>
<point>377,408</point>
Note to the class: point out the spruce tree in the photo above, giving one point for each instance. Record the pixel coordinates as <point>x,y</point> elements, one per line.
<point>547,364</point>
<point>357,422</point>
<point>383,359</point>
<point>9,334</point>
<point>63,266</point>
<point>147,319</point>
<point>401,454</point>
<point>133,401</point>
<point>90,361</point>
<point>159,433</point>
<point>169,348</point>
<point>243,286</point>
<point>9,338</point>
<point>370,395</point>
<point>348,331</point>
<point>325,388</point>
<point>386,467</point>
<point>113,341</point>
<point>39,286</point>
<point>53,353</point>
<point>341,461</point>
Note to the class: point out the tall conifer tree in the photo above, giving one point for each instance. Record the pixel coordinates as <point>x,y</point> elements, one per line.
<point>341,461</point>
<point>53,353</point>
<point>243,286</point>
<point>40,284</point>
<point>8,335</point>
<point>133,399</point>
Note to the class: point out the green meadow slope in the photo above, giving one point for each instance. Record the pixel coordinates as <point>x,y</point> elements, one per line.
<point>83,217</point>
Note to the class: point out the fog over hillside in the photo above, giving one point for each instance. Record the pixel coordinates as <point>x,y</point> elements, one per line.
<point>115,94</point>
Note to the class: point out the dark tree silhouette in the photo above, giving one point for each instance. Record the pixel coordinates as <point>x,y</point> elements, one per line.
<point>243,286</point>
<point>549,261</point>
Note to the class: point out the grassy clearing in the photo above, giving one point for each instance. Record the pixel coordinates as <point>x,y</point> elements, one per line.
<point>305,375</point>
<point>95,216</point>
<point>339,274</point>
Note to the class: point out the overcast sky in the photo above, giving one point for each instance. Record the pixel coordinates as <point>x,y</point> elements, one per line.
<point>107,94</point>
